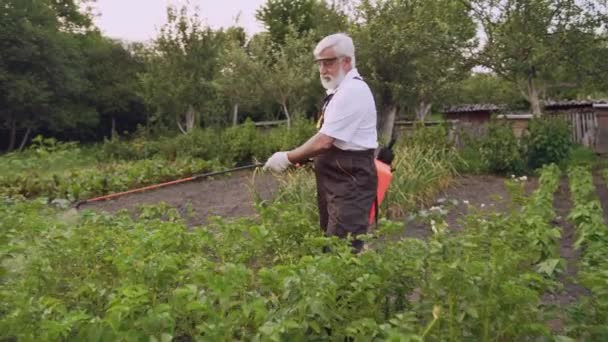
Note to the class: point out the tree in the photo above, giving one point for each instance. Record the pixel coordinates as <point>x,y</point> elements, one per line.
<point>112,69</point>
<point>284,76</point>
<point>413,51</point>
<point>179,84</point>
<point>234,80</point>
<point>530,41</point>
<point>41,67</point>
<point>299,18</point>
<point>485,88</point>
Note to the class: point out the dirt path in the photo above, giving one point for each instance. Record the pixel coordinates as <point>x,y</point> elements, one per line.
<point>571,291</point>
<point>486,193</point>
<point>226,196</point>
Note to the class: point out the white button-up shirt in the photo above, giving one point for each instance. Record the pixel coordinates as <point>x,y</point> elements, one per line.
<point>350,116</point>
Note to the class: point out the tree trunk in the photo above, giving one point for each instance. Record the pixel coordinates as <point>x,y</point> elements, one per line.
<point>534,98</point>
<point>25,138</point>
<point>189,118</point>
<point>13,135</point>
<point>423,110</point>
<point>387,122</point>
<point>287,115</point>
<point>113,134</point>
<point>235,114</point>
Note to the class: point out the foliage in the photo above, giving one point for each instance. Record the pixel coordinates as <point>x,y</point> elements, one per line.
<point>101,179</point>
<point>470,161</point>
<point>521,39</point>
<point>62,78</point>
<point>500,149</point>
<point>430,136</point>
<point>179,83</point>
<point>581,156</point>
<point>486,88</point>
<point>413,51</point>
<point>285,75</point>
<point>546,141</point>
<point>234,145</point>
<point>90,276</point>
<point>112,71</point>
<point>588,320</point>
<point>421,168</point>
<point>41,67</point>
<point>282,18</point>
<point>47,155</point>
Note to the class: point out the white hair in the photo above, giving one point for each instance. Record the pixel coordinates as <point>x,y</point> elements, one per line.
<point>341,43</point>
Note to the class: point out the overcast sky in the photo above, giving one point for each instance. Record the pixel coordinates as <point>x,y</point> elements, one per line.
<point>139,20</point>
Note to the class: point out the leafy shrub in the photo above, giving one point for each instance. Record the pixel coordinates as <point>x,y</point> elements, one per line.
<point>469,160</point>
<point>282,139</point>
<point>99,179</point>
<point>238,143</point>
<point>119,149</point>
<point>500,149</point>
<point>546,141</point>
<point>233,145</point>
<point>430,136</point>
<point>47,155</point>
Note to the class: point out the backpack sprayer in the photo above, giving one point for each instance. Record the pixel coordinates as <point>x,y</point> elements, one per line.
<point>383,167</point>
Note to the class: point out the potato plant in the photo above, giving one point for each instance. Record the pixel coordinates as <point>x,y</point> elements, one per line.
<point>105,277</point>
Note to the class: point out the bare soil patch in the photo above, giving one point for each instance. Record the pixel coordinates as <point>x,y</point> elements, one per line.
<point>486,193</point>
<point>226,196</point>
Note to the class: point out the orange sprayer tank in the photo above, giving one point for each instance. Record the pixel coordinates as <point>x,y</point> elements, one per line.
<point>384,180</point>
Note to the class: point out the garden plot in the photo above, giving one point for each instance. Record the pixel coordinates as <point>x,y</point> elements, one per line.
<point>233,197</point>
<point>223,196</point>
<point>481,193</point>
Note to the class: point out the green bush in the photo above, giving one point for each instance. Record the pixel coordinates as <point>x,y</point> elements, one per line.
<point>546,141</point>
<point>238,143</point>
<point>233,145</point>
<point>430,136</point>
<point>469,160</point>
<point>500,149</point>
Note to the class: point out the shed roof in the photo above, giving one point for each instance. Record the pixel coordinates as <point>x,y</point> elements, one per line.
<point>572,103</point>
<point>474,107</point>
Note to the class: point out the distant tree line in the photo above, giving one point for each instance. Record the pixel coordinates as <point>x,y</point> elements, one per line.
<point>59,76</point>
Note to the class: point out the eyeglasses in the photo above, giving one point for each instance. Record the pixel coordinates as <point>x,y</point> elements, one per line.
<point>327,62</point>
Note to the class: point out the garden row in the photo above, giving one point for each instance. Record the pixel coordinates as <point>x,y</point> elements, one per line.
<point>590,318</point>
<point>100,277</point>
<point>66,171</point>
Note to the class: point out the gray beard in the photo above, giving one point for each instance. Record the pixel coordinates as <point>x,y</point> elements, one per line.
<point>333,83</point>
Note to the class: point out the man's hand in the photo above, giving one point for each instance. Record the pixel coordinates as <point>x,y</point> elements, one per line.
<point>278,162</point>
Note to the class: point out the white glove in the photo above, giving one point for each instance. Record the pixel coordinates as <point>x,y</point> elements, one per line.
<point>278,162</point>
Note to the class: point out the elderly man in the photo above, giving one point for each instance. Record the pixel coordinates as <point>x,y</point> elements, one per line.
<point>343,149</point>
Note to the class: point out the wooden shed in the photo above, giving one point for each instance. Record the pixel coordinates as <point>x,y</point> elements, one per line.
<point>475,114</point>
<point>601,112</point>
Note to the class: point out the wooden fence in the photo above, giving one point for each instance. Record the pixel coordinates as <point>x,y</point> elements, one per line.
<point>585,127</point>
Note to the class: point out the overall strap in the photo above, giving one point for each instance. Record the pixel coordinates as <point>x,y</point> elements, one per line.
<point>326,101</point>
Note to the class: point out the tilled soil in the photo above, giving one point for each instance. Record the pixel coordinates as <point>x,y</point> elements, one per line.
<point>225,196</point>
<point>571,291</point>
<point>484,193</point>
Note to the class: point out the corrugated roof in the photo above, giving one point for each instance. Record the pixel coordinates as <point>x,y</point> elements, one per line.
<point>549,104</point>
<point>572,103</point>
<point>474,107</point>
